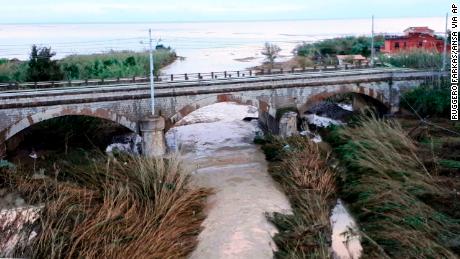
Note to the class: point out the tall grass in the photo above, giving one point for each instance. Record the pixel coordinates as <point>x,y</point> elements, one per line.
<point>124,208</point>
<point>384,183</point>
<point>301,170</point>
<point>416,58</point>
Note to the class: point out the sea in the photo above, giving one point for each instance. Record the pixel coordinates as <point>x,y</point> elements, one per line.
<point>202,46</point>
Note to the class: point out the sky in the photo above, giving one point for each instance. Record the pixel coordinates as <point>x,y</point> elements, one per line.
<point>113,11</point>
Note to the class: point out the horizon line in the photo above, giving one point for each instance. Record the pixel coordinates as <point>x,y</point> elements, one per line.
<point>214,21</point>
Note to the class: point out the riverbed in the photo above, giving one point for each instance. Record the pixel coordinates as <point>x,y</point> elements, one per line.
<point>218,143</point>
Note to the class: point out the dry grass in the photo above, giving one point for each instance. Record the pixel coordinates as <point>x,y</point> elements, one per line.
<point>301,170</point>
<point>385,183</point>
<point>130,207</point>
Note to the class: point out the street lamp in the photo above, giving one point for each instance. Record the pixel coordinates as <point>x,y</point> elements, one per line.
<point>152,70</point>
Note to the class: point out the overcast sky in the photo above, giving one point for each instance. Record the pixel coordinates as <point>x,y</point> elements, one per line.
<point>86,11</point>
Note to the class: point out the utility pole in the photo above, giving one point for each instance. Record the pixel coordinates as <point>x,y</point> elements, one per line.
<point>152,87</point>
<point>444,54</point>
<point>372,43</point>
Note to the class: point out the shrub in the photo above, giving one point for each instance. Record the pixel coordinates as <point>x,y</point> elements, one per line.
<point>300,168</point>
<point>128,207</point>
<point>384,183</point>
<point>428,100</point>
<point>417,58</point>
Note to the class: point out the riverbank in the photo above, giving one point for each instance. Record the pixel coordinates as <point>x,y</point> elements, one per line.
<point>103,207</point>
<point>402,191</point>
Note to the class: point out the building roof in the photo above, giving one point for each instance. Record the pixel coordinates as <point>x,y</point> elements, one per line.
<point>422,30</point>
<point>354,57</point>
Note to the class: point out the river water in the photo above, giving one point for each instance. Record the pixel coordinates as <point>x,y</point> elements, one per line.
<point>219,145</point>
<point>206,46</point>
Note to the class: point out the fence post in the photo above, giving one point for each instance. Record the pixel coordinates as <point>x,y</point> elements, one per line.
<point>303,68</point>
<point>102,81</point>
<point>269,71</point>
<point>238,73</point>
<point>172,77</point>
<point>70,83</point>
<point>225,74</point>
<point>86,81</point>
<point>118,79</point>
<point>186,77</point>
<point>199,75</point>
<point>52,83</point>
<point>250,72</point>
<point>292,69</point>
<point>262,71</point>
<point>134,79</point>
<point>212,75</point>
<point>346,66</point>
<point>35,84</point>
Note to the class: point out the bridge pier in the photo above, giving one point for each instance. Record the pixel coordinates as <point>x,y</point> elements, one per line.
<point>288,124</point>
<point>153,137</point>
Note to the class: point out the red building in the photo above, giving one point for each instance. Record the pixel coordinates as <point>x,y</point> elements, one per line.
<point>414,37</point>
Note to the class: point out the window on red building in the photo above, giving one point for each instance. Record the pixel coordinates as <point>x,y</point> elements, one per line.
<point>420,44</point>
<point>396,45</point>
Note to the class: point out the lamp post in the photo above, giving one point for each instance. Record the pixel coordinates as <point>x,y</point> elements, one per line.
<point>152,86</point>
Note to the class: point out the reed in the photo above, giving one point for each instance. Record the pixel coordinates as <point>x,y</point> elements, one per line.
<point>300,168</point>
<point>128,207</point>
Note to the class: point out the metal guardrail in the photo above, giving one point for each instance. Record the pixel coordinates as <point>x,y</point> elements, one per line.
<point>173,77</point>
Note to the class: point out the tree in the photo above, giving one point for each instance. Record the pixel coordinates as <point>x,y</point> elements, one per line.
<point>41,67</point>
<point>271,52</point>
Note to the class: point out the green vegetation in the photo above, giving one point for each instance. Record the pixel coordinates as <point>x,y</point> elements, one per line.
<point>338,46</point>
<point>417,58</point>
<point>41,67</point>
<point>112,64</point>
<point>394,194</point>
<point>428,100</point>
<point>111,208</point>
<point>300,168</point>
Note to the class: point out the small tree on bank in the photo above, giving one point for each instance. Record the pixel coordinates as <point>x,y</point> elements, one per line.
<point>271,52</point>
<point>41,67</point>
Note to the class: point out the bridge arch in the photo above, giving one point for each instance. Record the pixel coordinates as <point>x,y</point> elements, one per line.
<point>371,93</point>
<point>183,111</point>
<point>52,113</point>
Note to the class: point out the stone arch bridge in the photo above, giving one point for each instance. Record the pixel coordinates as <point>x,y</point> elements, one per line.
<point>129,104</point>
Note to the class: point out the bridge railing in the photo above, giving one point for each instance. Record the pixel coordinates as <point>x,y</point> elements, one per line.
<point>174,77</point>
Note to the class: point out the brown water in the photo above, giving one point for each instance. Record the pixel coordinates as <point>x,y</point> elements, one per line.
<point>219,151</point>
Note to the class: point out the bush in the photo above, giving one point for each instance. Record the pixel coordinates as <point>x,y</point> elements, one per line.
<point>417,58</point>
<point>338,46</point>
<point>79,67</point>
<point>428,100</point>
<point>123,208</point>
<point>384,183</point>
<point>300,168</point>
